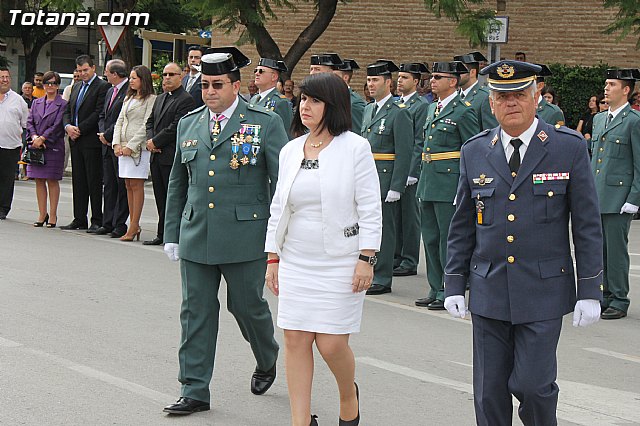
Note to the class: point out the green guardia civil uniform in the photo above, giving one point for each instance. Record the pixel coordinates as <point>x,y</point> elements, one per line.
<point>615,164</point>
<point>278,103</point>
<point>487,119</point>
<point>444,135</point>
<point>390,133</point>
<point>217,210</point>
<point>357,110</point>
<point>407,251</point>
<point>550,113</point>
<point>478,97</point>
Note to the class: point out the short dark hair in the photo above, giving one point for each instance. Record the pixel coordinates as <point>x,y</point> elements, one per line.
<point>38,73</point>
<point>330,89</point>
<point>548,89</point>
<point>146,83</point>
<point>117,66</point>
<point>234,76</point>
<point>51,75</point>
<point>3,68</point>
<point>194,47</point>
<point>84,59</point>
<point>631,84</point>
<point>521,53</point>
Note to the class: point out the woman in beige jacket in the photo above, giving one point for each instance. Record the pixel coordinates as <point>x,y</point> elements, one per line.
<point>129,144</point>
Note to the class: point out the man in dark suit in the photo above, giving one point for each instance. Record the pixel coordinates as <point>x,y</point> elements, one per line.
<point>81,124</point>
<point>116,207</point>
<point>168,109</point>
<point>192,82</point>
<point>520,183</point>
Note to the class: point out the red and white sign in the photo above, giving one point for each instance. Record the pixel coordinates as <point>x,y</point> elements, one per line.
<point>112,34</point>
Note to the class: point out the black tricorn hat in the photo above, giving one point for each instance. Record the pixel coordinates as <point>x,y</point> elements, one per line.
<point>349,65</point>
<point>381,67</point>
<point>455,67</point>
<point>544,72</point>
<point>471,58</point>
<point>223,60</point>
<point>328,59</point>
<point>414,67</point>
<point>510,76</point>
<point>279,66</point>
<point>623,74</point>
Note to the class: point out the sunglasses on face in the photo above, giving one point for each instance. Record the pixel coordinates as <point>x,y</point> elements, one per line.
<point>170,74</point>
<point>217,85</point>
<point>259,71</point>
<point>50,83</point>
<point>603,103</point>
<point>439,77</point>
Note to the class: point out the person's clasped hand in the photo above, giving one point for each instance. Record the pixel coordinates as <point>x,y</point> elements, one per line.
<point>392,196</point>
<point>629,208</point>
<point>586,312</point>
<point>172,251</point>
<point>456,306</point>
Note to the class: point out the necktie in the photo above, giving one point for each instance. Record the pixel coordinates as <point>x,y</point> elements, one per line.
<point>190,83</point>
<point>608,121</point>
<point>401,100</point>
<point>258,98</point>
<point>216,128</point>
<point>83,90</point>
<point>514,161</point>
<point>375,110</point>
<point>462,95</point>
<point>438,108</point>
<point>113,96</point>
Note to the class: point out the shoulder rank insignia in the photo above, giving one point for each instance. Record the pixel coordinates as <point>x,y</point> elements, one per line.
<point>542,136</point>
<point>482,180</point>
<point>401,106</point>
<point>467,103</point>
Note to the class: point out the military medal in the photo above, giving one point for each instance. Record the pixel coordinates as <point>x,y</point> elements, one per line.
<point>216,128</point>
<point>479,209</point>
<point>381,128</point>
<point>482,180</point>
<point>235,147</point>
<point>255,147</point>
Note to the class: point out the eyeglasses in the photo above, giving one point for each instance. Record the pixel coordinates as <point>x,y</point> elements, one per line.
<point>438,77</point>
<point>217,85</point>
<point>603,102</point>
<point>170,74</point>
<point>50,83</point>
<point>259,71</point>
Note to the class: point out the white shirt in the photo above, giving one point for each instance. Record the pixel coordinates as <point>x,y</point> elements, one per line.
<point>617,111</point>
<point>446,100</point>
<point>263,95</point>
<point>227,113</point>
<point>382,102</point>
<point>191,80</point>
<point>465,93</point>
<point>13,118</point>
<point>525,137</point>
<point>405,98</point>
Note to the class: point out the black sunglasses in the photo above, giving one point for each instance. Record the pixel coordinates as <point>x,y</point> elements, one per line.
<point>50,83</point>
<point>259,71</point>
<point>439,77</point>
<point>603,102</point>
<point>216,85</point>
<point>170,74</point>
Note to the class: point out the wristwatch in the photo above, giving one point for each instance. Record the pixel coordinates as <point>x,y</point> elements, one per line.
<point>371,260</point>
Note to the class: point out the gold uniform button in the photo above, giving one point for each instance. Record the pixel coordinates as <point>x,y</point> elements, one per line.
<point>433,125</point>
<point>430,137</point>
<point>368,130</point>
<point>511,259</point>
<point>620,182</point>
<point>384,170</point>
<point>511,218</point>
<point>211,173</point>
<point>444,128</point>
<point>211,189</point>
<point>562,270</point>
<point>512,197</point>
<point>211,205</point>
<point>601,149</point>
<point>599,160</point>
<point>212,157</point>
<point>255,215</point>
<point>550,193</point>
<point>448,170</point>
<point>617,140</point>
<point>597,171</point>
<point>428,149</point>
<point>510,238</point>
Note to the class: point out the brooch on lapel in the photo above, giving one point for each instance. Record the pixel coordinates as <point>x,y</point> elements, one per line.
<point>542,136</point>
<point>382,127</point>
<point>482,180</point>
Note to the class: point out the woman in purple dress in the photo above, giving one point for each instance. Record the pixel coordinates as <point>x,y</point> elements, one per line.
<point>45,131</point>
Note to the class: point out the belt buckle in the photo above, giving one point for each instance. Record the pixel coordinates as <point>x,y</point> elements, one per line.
<point>427,157</point>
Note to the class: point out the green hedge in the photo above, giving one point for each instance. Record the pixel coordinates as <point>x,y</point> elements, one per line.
<point>574,85</point>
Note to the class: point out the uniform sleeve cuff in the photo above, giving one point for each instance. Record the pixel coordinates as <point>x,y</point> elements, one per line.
<point>591,287</point>
<point>454,284</point>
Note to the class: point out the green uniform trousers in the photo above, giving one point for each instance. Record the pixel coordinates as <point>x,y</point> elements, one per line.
<point>435,217</point>
<point>383,271</point>
<point>199,319</point>
<point>615,233</point>
<point>408,231</point>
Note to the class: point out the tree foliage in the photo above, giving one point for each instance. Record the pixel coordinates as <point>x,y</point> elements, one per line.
<point>627,20</point>
<point>472,23</point>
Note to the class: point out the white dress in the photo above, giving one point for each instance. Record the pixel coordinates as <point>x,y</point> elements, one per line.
<point>315,288</point>
<point>138,168</point>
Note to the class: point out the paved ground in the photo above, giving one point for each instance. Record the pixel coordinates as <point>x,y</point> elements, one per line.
<point>89,331</point>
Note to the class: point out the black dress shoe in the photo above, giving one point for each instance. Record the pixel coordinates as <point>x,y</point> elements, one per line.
<point>3,215</point>
<point>613,313</point>
<point>155,242</point>
<point>74,225</point>
<point>93,229</point>
<point>425,301</point>
<point>117,233</point>
<point>103,231</point>
<point>313,422</point>
<point>261,381</point>
<point>401,271</point>
<point>376,289</point>
<point>436,305</point>
<point>187,406</point>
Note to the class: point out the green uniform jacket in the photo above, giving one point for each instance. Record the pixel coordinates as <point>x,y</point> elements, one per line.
<point>418,107</point>
<point>279,104</point>
<point>217,214</point>
<point>478,97</point>
<point>615,159</point>
<point>456,123</point>
<point>488,120</point>
<point>357,110</point>
<point>390,132</point>
<point>550,113</point>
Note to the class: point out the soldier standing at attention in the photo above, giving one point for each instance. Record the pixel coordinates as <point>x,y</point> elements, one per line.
<point>389,129</point>
<point>616,165</point>
<point>225,168</point>
<point>549,112</point>
<point>520,184</point>
<point>471,91</point>
<point>407,252</point>
<point>266,75</point>
<point>345,72</point>
<point>450,122</point>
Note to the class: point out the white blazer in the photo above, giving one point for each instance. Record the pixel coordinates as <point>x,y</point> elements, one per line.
<point>349,193</point>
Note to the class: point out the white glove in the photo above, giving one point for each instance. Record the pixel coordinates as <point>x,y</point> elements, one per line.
<point>392,196</point>
<point>456,306</point>
<point>411,180</point>
<point>629,208</point>
<point>586,312</point>
<point>172,251</point>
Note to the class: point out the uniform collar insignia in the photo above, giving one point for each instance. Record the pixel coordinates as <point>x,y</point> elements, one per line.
<point>482,180</point>
<point>241,115</point>
<point>494,140</point>
<point>542,136</point>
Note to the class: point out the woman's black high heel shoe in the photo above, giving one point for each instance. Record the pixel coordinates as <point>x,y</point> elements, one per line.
<point>314,422</point>
<point>356,421</point>
<point>40,224</point>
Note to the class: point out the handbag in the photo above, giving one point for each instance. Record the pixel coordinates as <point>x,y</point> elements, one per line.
<point>33,156</point>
